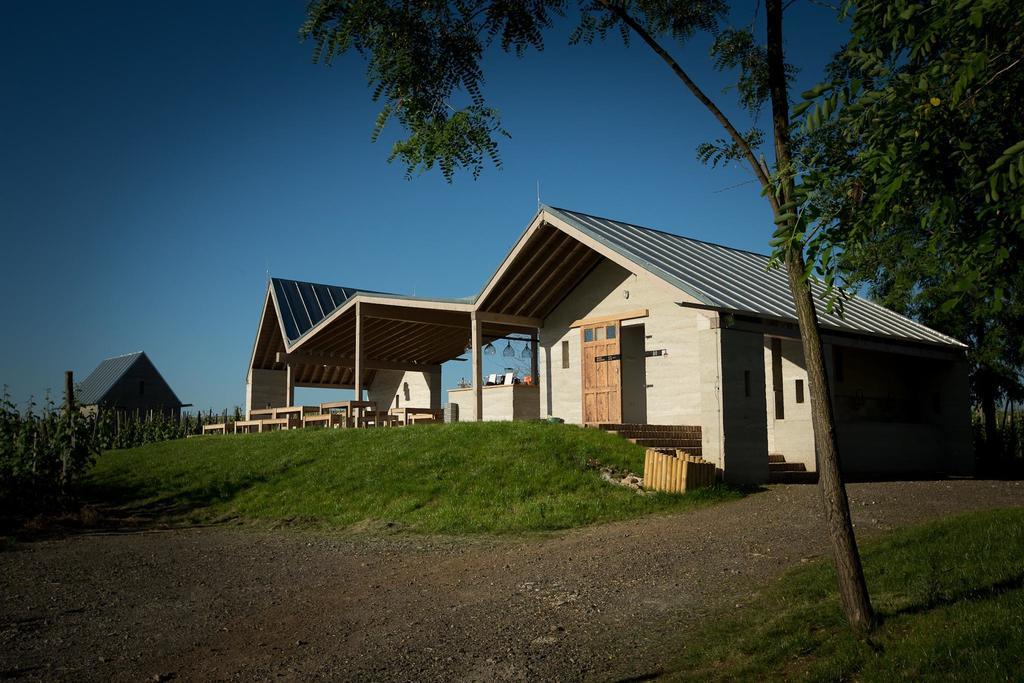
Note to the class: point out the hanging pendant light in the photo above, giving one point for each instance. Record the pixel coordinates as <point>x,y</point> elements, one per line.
<point>509,352</point>
<point>526,353</point>
<point>489,349</point>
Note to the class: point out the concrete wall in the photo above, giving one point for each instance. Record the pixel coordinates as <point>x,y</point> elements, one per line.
<point>897,411</point>
<point>744,429</point>
<point>265,388</point>
<point>389,389</point>
<point>501,403</point>
<point>673,392</point>
<point>792,435</point>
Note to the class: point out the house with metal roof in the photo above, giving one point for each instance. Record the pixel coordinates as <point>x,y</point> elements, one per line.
<point>669,340</point>
<point>129,383</point>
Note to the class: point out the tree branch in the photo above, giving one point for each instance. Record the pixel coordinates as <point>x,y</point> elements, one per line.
<point>740,141</point>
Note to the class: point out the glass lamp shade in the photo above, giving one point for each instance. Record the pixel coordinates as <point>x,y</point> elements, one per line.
<point>489,349</point>
<point>509,352</point>
<point>525,354</point>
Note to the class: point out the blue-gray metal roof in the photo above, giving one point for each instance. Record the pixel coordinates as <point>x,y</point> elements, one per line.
<point>97,385</point>
<point>303,305</point>
<point>736,280</point>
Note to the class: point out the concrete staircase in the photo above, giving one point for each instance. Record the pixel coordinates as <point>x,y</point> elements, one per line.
<point>665,438</point>
<point>782,472</point>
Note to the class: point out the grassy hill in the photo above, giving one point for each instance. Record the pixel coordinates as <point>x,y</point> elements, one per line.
<point>949,596</point>
<point>461,478</point>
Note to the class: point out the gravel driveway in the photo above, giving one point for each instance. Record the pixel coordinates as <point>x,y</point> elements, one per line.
<point>601,603</point>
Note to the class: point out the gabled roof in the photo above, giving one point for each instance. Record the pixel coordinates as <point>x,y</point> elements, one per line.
<point>304,305</point>
<point>97,385</point>
<point>736,280</point>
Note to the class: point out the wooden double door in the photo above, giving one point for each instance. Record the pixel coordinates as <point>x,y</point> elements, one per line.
<point>601,361</point>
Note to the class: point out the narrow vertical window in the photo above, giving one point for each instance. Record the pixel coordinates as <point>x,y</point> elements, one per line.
<point>746,383</point>
<point>780,399</point>
<point>142,387</point>
<point>565,354</point>
<point>837,363</point>
<point>799,391</point>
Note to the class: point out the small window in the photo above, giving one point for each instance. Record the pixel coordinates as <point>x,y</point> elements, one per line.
<point>398,402</point>
<point>799,391</point>
<point>588,334</point>
<point>599,334</point>
<point>142,387</point>
<point>610,332</point>
<point>565,354</point>
<point>837,363</point>
<point>746,383</point>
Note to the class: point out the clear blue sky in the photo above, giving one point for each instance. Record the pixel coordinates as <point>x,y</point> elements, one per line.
<point>157,157</point>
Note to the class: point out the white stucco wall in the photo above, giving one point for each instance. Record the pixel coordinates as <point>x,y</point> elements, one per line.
<point>792,436</point>
<point>673,381</point>
<point>502,403</point>
<point>424,389</point>
<point>897,411</point>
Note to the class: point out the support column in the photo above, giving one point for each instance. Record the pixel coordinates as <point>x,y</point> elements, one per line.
<point>477,363</point>
<point>534,351</point>
<point>289,399</point>
<point>357,381</point>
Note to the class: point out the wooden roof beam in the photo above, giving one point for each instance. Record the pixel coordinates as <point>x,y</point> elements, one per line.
<point>310,358</point>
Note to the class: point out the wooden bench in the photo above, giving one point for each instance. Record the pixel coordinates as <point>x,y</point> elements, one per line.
<point>329,420</point>
<point>219,428</point>
<point>417,415</point>
<point>250,426</point>
<point>377,418</point>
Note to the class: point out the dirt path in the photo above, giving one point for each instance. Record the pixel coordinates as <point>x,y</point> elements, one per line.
<point>600,603</point>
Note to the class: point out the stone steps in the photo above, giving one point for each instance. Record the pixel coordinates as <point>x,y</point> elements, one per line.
<point>664,438</point>
<point>782,472</point>
<point>667,442</point>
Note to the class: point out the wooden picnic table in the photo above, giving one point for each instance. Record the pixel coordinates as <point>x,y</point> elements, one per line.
<point>297,411</point>
<point>405,415</point>
<point>350,407</point>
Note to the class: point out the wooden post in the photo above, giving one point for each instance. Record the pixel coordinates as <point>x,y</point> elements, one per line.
<point>289,399</point>
<point>534,351</point>
<point>69,391</point>
<point>357,381</point>
<point>478,390</point>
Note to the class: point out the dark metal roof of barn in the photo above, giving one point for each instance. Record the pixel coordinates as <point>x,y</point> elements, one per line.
<point>736,280</point>
<point>105,377</point>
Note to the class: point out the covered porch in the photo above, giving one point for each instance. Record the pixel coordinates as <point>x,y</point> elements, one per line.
<point>386,349</point>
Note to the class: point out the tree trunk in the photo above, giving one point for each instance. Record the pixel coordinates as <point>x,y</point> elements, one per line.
<point>853,590</point>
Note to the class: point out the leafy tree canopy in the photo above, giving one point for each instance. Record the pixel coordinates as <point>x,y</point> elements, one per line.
<point>913,158</point>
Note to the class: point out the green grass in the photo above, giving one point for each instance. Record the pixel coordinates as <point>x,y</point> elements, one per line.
<point>462,478</point>
<point>950,596</point>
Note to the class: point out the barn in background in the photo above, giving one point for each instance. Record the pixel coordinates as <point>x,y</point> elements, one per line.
<point>128,383</point>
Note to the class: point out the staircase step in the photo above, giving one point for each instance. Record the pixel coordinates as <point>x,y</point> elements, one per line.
<point>786,467</point>
<point>776,457</point>
<point>644,429</point>
<point>667,442</point>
